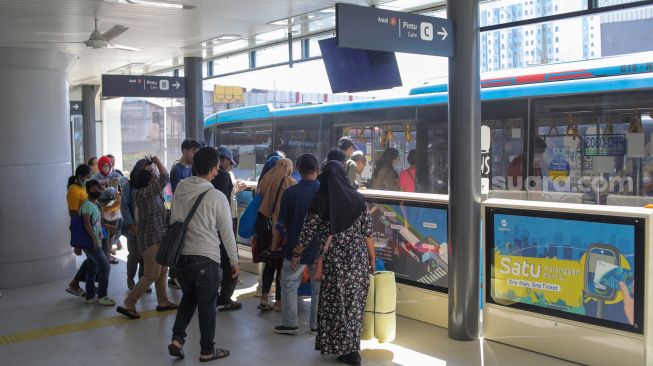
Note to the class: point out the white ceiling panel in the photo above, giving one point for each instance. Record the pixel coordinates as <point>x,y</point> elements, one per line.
<point>161,33</point>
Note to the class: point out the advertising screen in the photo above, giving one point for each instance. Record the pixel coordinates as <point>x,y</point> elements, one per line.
<point>576,266</point>
<point>411,239</point>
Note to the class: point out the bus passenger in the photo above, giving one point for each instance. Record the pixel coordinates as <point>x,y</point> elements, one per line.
<point>359,158</point>
<point>294,205</point>
<point>275,156</point>
<point>385,176</point>
<point>271,187</point>
<point>407,177</point>
<point>92,162</point>
<point>346,145</point>
<point>339,213</point>
<point>223,183</point>
<point>183,168</point>
<point>516,167</point>
<point>76,196</point>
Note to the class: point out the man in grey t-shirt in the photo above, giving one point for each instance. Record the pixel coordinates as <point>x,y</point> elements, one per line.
<point>347,146</point>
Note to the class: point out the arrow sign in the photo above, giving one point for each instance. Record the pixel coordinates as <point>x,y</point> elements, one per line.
<point>384,30</point>
<point>444,34</point>
<point>143,86</point>
<point>75,108</point>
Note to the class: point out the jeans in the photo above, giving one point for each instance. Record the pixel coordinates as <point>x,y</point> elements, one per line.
<point>80,276</point>
<point>290,284</point>
<point>134,262</point>
<point>199,278</point>
<point>228,283</point>
<point>97,265</point>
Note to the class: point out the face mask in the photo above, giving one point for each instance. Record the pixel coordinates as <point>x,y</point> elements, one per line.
<point>94,195</point>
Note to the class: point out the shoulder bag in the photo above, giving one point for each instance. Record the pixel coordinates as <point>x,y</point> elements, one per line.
<point>173,239</point>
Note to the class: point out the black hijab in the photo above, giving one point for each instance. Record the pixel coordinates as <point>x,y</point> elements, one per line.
<point>337,202</point>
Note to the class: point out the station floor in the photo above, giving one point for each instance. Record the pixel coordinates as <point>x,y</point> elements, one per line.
<point>44,325</point>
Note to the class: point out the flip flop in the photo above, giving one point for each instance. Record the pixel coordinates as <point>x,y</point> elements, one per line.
<point>175,351</point>
<point>128,313</point>
<point>235,305</point>
<point>217,354</point>
<point>264,307</point>
<point>76,292</point>
<point>167,307</point>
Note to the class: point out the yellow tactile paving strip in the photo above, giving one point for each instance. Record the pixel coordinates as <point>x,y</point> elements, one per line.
<point>35,334</point>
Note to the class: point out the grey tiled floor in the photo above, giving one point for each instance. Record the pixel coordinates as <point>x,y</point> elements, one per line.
<point>247,334</point>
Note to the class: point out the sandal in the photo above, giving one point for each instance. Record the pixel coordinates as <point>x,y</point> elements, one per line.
<point>217,354</point>
<point>167,307</point>
<point>131,314</point>
<point>234,305</point>
<point>175,351</point>
<point>113,260</point>
<point>76,291</point>
<point>264,307</point>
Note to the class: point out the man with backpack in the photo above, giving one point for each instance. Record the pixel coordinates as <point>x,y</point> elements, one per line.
<point>198,269</point>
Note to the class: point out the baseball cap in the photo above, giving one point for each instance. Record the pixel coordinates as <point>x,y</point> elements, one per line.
<point>225,152</point>
<point>345,143</point>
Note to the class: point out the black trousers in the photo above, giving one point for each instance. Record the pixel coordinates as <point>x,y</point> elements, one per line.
<point>199,277</point>
<point>228,283</point>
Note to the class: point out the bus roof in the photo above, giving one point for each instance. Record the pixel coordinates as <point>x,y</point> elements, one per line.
<point>567,87</point>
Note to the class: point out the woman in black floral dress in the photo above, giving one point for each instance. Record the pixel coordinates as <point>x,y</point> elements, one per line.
<point>339,213</point>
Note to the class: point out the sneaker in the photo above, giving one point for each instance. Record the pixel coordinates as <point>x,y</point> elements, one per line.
<point>282,329</point>
<point>91,300</point>
<point>172,283</point>
<point>106,301</point>
<point>314,331</point>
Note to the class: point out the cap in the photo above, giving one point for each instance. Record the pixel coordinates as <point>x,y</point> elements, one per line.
<point>225,152</point>
<point>345,143</point>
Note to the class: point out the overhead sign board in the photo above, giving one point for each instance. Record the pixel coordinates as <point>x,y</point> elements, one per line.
<point>75,108</point>
<point>143,86</point>
<point>386,30</point>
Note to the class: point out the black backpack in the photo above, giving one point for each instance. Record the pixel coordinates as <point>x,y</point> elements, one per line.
<point>173,239</point>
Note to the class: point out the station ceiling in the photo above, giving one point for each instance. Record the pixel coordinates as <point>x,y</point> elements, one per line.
<point>164,34</point>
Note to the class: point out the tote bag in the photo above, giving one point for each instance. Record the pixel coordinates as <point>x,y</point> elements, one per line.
<point>79,238</point>
<point>247,224</point>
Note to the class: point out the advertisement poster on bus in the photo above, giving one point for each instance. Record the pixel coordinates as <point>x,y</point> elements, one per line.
<point>584,268</point>
<point>412,242</point>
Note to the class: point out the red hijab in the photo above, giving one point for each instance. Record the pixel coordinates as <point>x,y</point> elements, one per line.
<point>100,163</point>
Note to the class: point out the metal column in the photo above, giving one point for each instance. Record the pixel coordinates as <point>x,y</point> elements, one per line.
<point>464,172</point>
<point>194,98</point>
<point>89,92</point>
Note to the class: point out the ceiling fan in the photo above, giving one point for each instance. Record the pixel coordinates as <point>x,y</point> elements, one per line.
<point>103,40</point>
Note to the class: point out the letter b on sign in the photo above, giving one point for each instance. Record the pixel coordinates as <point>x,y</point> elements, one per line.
<point>426,31</point>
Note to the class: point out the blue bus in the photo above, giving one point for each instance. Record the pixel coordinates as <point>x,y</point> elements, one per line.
<point>533,126</point>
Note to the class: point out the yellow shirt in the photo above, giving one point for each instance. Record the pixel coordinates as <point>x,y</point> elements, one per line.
<point>75,197</point>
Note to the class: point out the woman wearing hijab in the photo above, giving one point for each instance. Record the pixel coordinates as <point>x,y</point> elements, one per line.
<point>271,187</point>
<point>111,214</point>
<point>385,176</point>
<point>339,219</point>
<point>270,161</point>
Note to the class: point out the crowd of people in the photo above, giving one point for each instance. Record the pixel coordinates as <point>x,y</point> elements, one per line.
<point>312,222</point>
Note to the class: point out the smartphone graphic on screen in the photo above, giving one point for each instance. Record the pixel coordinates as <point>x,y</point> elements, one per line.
<point>610,275</point>
<point>608,255</point>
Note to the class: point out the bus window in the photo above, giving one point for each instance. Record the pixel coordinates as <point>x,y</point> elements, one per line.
<point>303,135</point>
<point>250,143</point>
<point>597,156</point>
